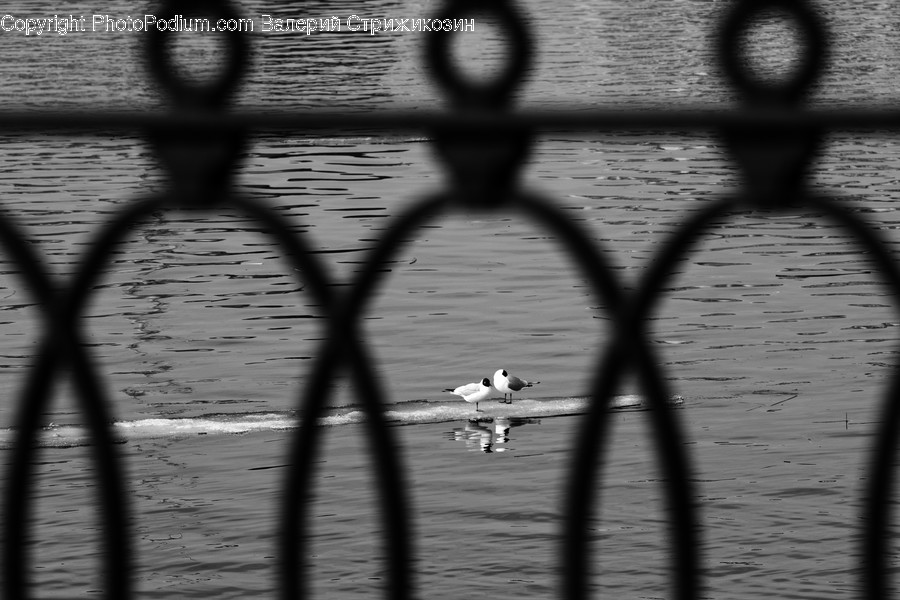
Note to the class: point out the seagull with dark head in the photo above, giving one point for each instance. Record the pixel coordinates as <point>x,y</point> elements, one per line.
<point>474,392</point>
<point>506,383</point>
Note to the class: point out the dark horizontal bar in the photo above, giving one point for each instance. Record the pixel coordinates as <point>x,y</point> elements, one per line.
<point>584,120</point>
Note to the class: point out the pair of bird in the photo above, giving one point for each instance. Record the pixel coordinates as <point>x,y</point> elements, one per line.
<point>503,382</point>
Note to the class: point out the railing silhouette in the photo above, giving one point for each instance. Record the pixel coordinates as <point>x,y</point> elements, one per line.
<point>483,143</point>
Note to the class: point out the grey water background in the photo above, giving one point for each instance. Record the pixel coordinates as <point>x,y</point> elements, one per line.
<point>776,332</point>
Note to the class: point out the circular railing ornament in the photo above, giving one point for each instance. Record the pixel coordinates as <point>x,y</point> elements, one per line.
<point>795,86</point>
<point>774,159</point>
<point>184,92</point>
<point>492,93</point>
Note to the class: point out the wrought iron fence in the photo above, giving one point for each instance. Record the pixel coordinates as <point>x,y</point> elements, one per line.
<point>483,143</point>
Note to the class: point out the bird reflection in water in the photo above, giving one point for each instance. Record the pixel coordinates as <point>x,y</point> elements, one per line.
<point>488,434</point>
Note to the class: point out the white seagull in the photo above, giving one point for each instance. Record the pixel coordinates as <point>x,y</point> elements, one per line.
<point>474,392</point>
<point>506,383</point>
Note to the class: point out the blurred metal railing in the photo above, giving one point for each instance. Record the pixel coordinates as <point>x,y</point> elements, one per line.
<point>483,143</point>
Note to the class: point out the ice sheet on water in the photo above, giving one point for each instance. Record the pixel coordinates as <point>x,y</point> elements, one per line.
<point>402,413</point>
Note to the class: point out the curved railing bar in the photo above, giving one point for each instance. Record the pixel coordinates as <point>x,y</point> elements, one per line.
<point>587,256</point>
<point>302,454</point>
<point>343,343</point>
<point>880,480</point>
<point>671,445</point>
<point>309,270</point>
<point>17,500</point>
<point>389,475</point>
<point>541,212</point>
<point>669,440</point>
<point>670,437</point>
<point>100,249</point>
<point>64,344</point>
<point>628,346</point>
<point>312,272</point>
<point>393,239</point>
<point>877,499</point>
<point>583,473</point>
<point>58,347</point>
<point>33,271</point>
<point>876,522</point>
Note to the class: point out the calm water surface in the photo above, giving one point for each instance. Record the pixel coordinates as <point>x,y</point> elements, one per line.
<point>776,331</point>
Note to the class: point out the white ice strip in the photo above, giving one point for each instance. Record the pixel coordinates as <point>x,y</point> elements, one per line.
<point>402,413</point>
